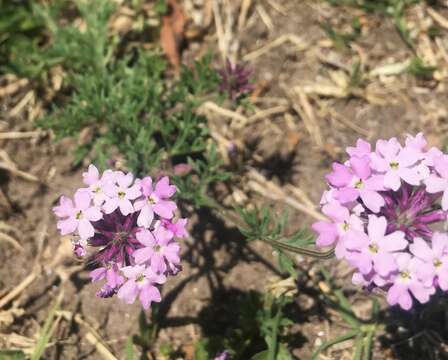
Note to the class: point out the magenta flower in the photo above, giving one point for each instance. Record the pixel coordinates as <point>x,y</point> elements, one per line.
<point>130,260</point>
<point>96,183</point>
<point>77,216</point>
<point>120,192</point>
<point>396,163</point>
<point>342,226</point>
<point>438,182</point>
<point>434,259</point>
<point>376,251</point>
<point>158,249</point>
<point>362,149</point>
<point>357,181</point>
<point>399,222</point>
<point>406,282</point>
<point>140,282</point>
<point>155,201</point>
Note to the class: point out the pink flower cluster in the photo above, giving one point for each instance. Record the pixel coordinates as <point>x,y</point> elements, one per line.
<point>386,209</point>
<point>130,222</point>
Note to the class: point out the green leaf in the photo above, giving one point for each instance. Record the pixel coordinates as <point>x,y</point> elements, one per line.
<point>46,331</point>
<point>263,355</point>
<point>339,339</point>
<point>12,355</point>
<point>200,351</point>
<point>129,349</point>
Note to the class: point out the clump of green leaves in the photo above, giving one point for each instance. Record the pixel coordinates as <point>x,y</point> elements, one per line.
<point>362,331</point>
<point>120,105</point>
<point>342,40</point>
<point>259,334</point>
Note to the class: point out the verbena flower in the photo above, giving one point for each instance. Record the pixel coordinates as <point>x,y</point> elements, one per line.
<point>127,229</point>
<point>234,80</point>
<point>384,207</point>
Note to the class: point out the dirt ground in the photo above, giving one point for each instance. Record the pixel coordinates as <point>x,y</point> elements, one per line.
<point>314,117</point>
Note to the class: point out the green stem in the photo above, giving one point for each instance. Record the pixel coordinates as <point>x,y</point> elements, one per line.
<point>238,222</point>
<point>273,346</point>
<point>368,344</point>
<point>359,344</point>
<point>326,345</point>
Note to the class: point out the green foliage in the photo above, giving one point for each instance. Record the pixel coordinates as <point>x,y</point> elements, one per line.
<point>205,171</point>
<point>120,105</point>
<point>21,32</point>
<point>12,355</point>
<point>395,9</point>
<point>420,70</point>
<point>362,331</point>
<point>262,323</point>
<point>343,40</point>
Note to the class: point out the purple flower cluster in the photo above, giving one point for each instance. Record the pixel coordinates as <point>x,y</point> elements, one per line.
<point>235,80</point>
<point>386,210</point>
<point>130,222</point>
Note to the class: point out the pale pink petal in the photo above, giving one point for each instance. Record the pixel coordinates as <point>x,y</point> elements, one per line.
<point>92,214</point>
<point>340,176</point>
<point>411,176</point>
<point>67,226</point>
<point>82,199</point>
<point>384,263</point>
<point>158,262</point>
<point>65,207</point>
<point>91,176</point>
<point>110,189</point>
<point>125,181</point>
<point>435,184</point>
<point>375,183</point>
<point>171,252</point>
<point>165,209</point>
<point>142,255</point>
<point>128,292</point>
<point>148,295</point>
<point>376,227</point>
<point>362,148</point>
<point>372,199</point>
<point>439,243</point>
<point>146,186</point>
<point>164,189</point>
<point>336,212</point>
<point>146,216</point>
<point>146,237</point>
<point>420,292</point>
<point>444,201</point>
<point>132,272</point>
<point>393,242</point>
<point>327,233</point>
<point>133,192</point>
<point>421,249</point>
<point>98,274</point>
<point>392,180</point>
<point>388,148</point>
<point>408,157</point>
<point>85,229</point>
<point>361,166</point>
<point>347,194</point>
<point>126,207</point>
<point>110,205</point>
<point>378,163</point>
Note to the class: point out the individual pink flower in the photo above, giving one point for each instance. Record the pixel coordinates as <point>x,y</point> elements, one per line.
<point>109,272</point>
<point>356,182</point>
<point>155,200</point>
<point>436,183</point>
<point>342,226</point>
<point>406,282</point>
<point>376,251</point>
<point>178,228</point>
<point>362,149</point>
<point>96,183</point>
<point>120,193</point>
<point>78,216</point>
<point>158,249</point>
<point>140,282</point>
<point>434,259</point>
<point>396,163</point>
